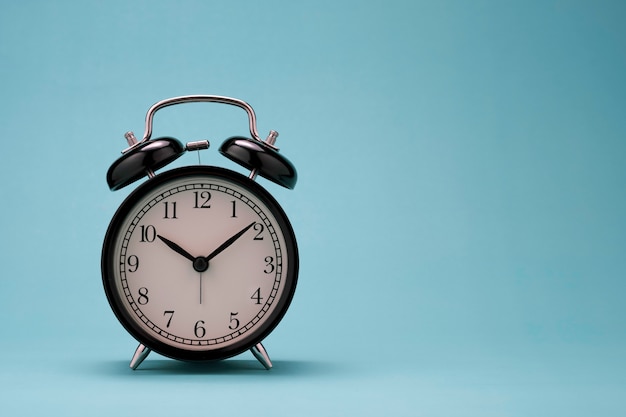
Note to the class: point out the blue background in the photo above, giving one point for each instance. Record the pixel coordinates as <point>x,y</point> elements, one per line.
<point>459,211</point>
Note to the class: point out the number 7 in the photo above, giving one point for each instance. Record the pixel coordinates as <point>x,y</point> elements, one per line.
<point>171,313</point>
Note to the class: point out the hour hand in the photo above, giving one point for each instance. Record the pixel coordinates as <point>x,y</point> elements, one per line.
<point>176,248</point>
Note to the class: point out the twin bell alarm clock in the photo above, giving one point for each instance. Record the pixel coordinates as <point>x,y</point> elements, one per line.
<point>200,263</point>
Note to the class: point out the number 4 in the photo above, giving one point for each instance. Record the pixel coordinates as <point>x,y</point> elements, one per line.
<point>257,296</point>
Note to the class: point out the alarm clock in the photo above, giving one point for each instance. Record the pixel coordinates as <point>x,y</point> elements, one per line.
<point>200,263</point>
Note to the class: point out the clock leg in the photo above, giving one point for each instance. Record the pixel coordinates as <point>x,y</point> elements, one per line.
<point>140,354</point>
<point>260,353</point>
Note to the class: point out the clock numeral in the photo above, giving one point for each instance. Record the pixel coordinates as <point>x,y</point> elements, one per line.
<point>234,208</point>
<point>143,296</point>
<point>234,321</point>
<point>257,296</point>
<point>258,227</point>
<point>269,265</point>
<point>148,233</point>
<point>170,210</point>
<point>133,263</point>
<point>202,199</point>
<point>171,314</point>
<point>198,330</point>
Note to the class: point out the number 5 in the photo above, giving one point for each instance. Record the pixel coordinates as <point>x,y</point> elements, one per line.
<point>234,321</point>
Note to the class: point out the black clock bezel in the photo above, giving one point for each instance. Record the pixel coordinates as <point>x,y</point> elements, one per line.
<point>248,340</point>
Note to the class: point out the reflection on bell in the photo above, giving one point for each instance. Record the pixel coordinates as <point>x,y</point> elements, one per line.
<point>141,159</point>
<point>259,156</point>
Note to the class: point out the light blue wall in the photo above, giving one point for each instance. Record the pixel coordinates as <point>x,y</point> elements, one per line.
<point>460,208</point>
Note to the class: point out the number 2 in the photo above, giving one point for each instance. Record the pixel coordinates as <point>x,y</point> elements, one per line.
<point>259,229</point>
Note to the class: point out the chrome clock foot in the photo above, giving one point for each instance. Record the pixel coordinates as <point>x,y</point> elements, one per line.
<point>140,354</point>
<point>260,353</point>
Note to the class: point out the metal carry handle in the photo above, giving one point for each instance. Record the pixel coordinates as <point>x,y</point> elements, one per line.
<point>201,98</point>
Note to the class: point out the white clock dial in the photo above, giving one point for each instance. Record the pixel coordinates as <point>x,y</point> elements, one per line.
<point>200,263</point>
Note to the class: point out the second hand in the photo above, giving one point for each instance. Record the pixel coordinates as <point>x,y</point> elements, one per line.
<point>200,287</point>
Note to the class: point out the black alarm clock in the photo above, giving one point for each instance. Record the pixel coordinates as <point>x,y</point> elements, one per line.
<point>200,263</point>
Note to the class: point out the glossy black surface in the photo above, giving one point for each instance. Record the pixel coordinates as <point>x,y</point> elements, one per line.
<point>110,262</point>
<point>269,163</point>
<point>153,154</point>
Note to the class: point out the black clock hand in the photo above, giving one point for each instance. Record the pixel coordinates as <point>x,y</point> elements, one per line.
<point>228,242</point>
<point>177,248</point>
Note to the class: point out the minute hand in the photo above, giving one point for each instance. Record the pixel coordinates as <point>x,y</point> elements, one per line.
<point>229,242</point>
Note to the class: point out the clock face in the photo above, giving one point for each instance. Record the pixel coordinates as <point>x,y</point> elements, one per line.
<point>199,263</point>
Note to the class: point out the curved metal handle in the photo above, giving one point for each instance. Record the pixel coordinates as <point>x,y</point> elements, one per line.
<point>200,98</point>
